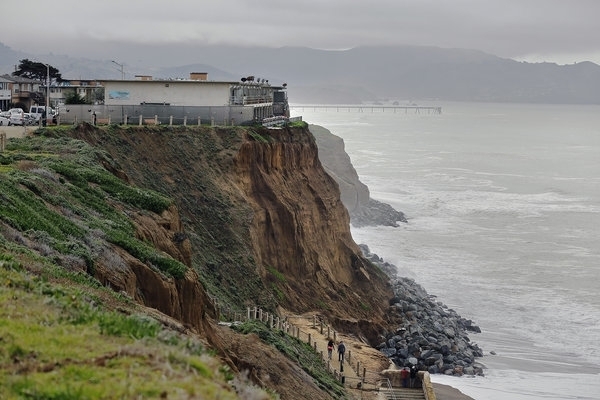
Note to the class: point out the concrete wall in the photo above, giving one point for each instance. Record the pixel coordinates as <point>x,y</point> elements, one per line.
<point>172,92</point>
<point>176,115</point>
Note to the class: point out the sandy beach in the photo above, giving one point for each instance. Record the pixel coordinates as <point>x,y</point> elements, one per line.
<point>445,392</point>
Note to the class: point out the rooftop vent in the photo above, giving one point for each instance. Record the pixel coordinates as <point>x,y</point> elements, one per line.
<point>198,76</point>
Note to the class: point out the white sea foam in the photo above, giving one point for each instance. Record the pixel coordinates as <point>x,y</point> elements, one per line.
<point>503,210</point>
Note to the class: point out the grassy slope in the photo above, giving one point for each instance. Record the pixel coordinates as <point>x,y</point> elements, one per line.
<point>63,335</point>
<point>59,341</point>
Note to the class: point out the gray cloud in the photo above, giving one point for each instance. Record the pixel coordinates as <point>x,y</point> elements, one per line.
<point>561,31</point>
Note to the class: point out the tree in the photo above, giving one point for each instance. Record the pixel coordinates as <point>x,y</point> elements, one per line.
<point>73,98</point>
<point>37,71</point>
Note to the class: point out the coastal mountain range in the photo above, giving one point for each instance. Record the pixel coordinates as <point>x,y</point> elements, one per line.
<point>361,74</point>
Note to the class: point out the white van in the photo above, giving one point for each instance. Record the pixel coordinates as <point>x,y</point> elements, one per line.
<point>37,112</point>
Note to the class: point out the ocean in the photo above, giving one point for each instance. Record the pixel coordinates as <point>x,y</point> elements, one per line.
<point>503,209</point>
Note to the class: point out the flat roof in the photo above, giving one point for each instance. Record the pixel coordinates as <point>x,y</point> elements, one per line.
<point>167,81</point>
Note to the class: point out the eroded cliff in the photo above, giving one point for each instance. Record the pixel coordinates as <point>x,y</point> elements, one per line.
<point>264,221</point>
<point>364,210</point>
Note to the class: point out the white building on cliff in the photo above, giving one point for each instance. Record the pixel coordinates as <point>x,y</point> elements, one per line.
<point>190,100</point>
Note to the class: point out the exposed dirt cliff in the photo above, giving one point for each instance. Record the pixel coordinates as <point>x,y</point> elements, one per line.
<point>170,215</point>
<point>301,229</point>
<point>264,221</point>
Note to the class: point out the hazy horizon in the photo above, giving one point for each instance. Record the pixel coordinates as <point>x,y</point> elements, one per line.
<point>137,31</point>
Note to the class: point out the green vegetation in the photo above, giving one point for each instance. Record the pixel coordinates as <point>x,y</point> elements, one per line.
<point>258,137</point>
<point>68,211</point>
<point>298,124</point>
<point>278,275</point>
<point>297,351</point>
<point>56,193</point>
<point>279,295</point>
<point>59,342</point>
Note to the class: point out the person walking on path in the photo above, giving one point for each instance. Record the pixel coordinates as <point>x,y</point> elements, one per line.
<point>341,351</point>
<point>330,348</point>
<point>404,374</point>
<point>413,376</point>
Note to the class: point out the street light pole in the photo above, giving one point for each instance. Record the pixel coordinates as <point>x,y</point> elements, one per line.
<point>47,88</point>
<point>122,71</point>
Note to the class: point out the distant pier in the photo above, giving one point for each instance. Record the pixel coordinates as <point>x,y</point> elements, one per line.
<point>370,108</point>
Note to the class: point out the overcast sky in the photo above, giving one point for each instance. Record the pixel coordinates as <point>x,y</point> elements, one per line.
<point>562,31</point>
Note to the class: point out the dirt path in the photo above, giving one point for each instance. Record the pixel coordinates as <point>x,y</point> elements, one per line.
<point>17,131</point>
<point>361,360</point>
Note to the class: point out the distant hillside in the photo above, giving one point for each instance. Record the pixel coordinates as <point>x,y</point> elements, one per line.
<point>360,74</point>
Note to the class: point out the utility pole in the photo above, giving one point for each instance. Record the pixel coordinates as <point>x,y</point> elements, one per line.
<point>122,70</point>
<point>47,88</point>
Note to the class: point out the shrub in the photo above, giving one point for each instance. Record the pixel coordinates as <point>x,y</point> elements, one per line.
<point>135,326</point>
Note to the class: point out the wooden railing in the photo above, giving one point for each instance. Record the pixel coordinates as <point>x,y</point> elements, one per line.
<point>360,376</point>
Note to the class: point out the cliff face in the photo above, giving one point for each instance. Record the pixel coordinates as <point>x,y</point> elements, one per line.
<point>354,194</point>
<point>301,228</point>
<point>183,299</point>
<point>261,221</point>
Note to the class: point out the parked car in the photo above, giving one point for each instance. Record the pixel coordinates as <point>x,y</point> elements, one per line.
<point>29,119</point>
<point>4,121</point>
<point>17,116</point>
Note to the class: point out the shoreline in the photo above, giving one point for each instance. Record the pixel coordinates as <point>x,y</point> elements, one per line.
<point>447,392</point>
<point>442,391</point>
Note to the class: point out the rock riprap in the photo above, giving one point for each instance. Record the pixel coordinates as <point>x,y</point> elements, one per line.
<point>429,334</point>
